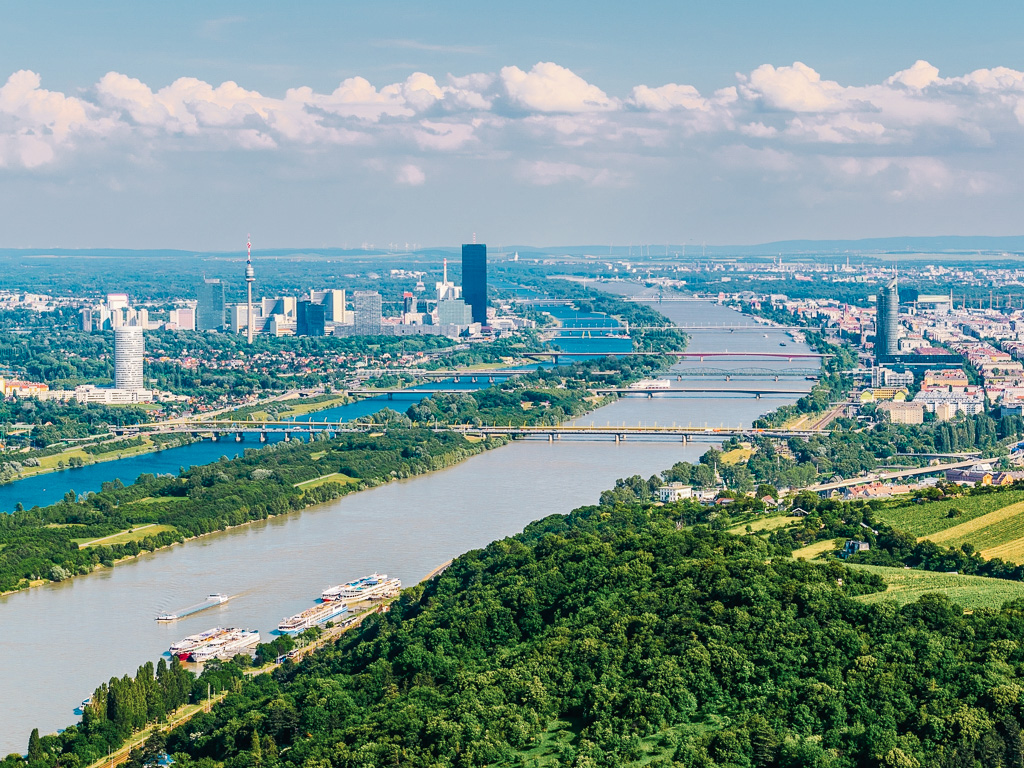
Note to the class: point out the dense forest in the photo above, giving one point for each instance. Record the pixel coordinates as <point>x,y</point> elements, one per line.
<point>612,637</point>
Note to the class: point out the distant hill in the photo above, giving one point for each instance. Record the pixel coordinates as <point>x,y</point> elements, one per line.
<point>952,244</point>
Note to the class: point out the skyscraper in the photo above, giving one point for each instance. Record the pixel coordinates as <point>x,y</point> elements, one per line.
<point>368,313</point>
<point>474,280</point>
<point>128,349</point>
<point>887,322</point>
<point>309,318</point>
<point>210,305</point>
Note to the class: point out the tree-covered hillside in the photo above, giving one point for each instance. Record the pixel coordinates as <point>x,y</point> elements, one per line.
<point>610,638</point>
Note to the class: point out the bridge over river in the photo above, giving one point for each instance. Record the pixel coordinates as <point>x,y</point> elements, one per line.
<point>239,429</point>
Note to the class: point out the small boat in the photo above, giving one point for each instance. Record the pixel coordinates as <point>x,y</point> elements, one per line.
<point>782,343</point>
<point>209,602</point>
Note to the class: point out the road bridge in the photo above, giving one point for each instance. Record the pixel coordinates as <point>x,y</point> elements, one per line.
<point>693,327</point>
<point>238,429</point>
<point>790,356</point>
<point>881,477</point>
<point>758,392</point>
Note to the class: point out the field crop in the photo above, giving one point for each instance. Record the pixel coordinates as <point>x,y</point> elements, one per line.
<point>905,585</point>
<point>995,529</point>
<point>811,551</point>
<point>923,520</point>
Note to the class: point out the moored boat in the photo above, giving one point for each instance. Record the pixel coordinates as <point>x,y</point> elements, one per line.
<point>319,614</point>
<point>376,586</point>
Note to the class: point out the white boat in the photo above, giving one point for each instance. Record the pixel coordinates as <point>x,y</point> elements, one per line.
<point>184,647</point>
<point>651,384</point>
<point>212,600</point>
<point>376,586</point>
<point>320,613</point>
<point>235,641</point>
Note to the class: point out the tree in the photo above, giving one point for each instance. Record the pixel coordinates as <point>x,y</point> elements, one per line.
<point>35,748</point>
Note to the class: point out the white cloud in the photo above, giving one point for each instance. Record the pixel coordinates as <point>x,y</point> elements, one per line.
<point>920,75</point>
<point>795,89</point>
<point>912,135</point>
<point>667,97</point>
<point>410,175</point>
<point>548,87</point>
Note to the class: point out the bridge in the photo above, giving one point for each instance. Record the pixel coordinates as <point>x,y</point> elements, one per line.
<point>881,477</point>
<point>239,429</point>
<point>690,327</point>
<point>758,392</point>
<point>790,356</point>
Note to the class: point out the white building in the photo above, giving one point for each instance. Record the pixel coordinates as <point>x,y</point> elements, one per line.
<point>675,492</point>
<point>128,350</point>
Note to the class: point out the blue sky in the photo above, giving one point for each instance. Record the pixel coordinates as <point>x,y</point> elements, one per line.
<point>190,124</point>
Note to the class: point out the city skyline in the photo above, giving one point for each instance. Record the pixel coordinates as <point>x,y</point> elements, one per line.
<point>723,125</point>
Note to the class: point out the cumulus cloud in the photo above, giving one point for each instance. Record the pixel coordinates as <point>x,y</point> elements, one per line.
<point>410,175</point>
<point>548,87</point>
<point>906,134</point>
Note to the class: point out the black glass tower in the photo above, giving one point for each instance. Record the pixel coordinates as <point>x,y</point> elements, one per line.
<point>474,280</point>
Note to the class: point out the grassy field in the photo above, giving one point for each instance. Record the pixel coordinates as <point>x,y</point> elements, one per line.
<point>334,477</point>
<point>995,529</point>
<point>923,520</point>
<point>737,455</point>
<point>972,592</point>
<point>301,409</point>
<point>811,551</point>
<point>134,534</point>
<point>766,524</point>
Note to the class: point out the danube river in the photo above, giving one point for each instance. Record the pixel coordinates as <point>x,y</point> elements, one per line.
<point>59,641</point>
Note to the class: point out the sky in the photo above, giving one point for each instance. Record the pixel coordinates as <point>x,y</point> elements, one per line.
<point>313,124</point>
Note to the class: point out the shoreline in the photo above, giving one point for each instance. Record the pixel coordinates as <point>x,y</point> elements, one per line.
<point>145,450</point>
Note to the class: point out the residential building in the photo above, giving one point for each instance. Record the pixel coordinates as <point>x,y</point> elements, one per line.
<point>128,351</point>
<point>368,315</point>
<point>903,413</point>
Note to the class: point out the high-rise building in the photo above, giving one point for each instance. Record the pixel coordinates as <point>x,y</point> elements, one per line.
<point>408,303</point>
<point>128,349</point>
<point>334,304</point>
<point>887,322</point>
<point>474,280</point>
<point>210,305</point>
<point>367,312</point>
<point>454,312</point>
<point>309,318</point>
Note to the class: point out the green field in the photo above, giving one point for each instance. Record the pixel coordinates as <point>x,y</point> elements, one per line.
<point>334,477</point>
<point>922,520</point>
<point>811,551</point>
<point>766,524</point>
<point>972,592</point>
<point>995,529</point>
<point>134,534</point>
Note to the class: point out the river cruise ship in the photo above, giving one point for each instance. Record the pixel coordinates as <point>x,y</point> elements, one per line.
<point>376,586</point>
<point>651,384</point>
<point>183,648</point>
<point>235,641</point>
<point>319,614</point>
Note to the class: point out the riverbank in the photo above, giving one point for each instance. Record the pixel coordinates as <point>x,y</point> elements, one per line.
<point>279,565</point>
<point>286,477</point>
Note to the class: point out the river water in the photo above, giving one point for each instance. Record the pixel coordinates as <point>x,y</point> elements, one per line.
<point>59,641</point>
